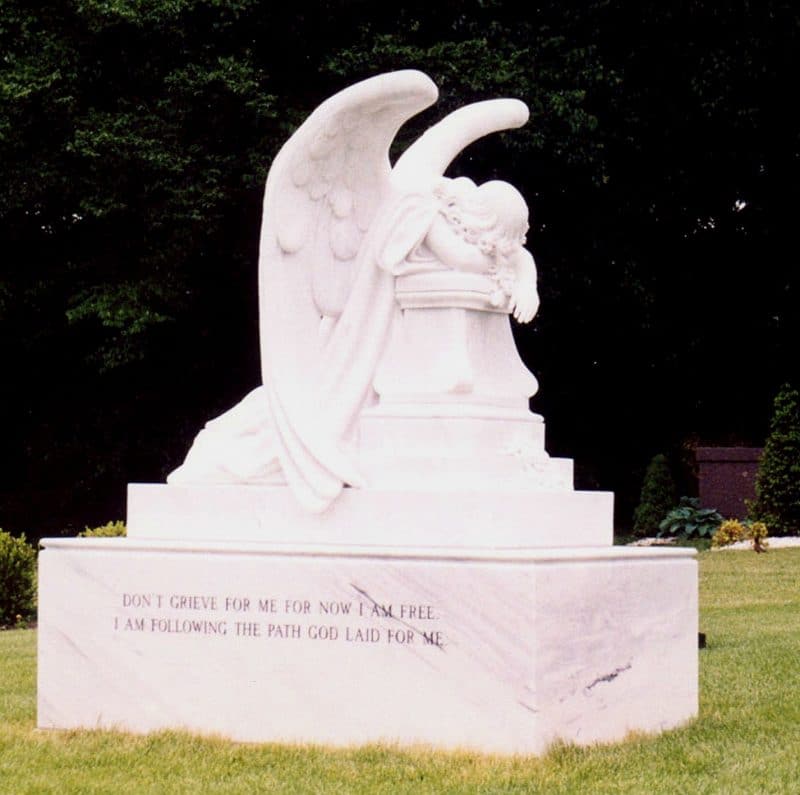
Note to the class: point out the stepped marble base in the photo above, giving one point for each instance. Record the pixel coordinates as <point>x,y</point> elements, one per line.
<point>487,519</point>
<point>482,649</point>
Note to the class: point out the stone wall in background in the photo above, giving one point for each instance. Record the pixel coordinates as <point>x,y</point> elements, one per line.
<point>726,478</point>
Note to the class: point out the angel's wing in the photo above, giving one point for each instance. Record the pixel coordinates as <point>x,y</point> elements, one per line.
<point>333,211</point>
<point>322,194</point>
<point>329,179</point>
<point>428,157</point>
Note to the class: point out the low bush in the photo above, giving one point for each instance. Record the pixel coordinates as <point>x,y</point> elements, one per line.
<point>729,532</point>
<point>17,580</point>
<point>732,530</point>
<point>689,520</point>
<point>108,530</point>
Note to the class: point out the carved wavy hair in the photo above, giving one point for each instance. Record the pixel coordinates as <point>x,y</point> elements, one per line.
<point>492,216</point>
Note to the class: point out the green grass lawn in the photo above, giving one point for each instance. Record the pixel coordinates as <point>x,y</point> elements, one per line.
<point>747,738</point>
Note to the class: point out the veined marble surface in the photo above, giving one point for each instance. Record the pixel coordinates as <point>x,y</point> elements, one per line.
<point>496,652</point>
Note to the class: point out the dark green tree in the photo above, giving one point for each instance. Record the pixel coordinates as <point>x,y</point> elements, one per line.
<point>777,501</point>
<point>134,143</point>
<point>657,497</point>
<point>661,158</point>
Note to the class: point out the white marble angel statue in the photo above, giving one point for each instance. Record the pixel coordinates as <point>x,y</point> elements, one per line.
<point>342,232</point>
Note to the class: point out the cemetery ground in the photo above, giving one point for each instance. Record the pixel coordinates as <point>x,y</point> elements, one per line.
<point>745,740</point>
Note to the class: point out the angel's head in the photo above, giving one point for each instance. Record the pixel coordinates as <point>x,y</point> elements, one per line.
<point>492,216</point>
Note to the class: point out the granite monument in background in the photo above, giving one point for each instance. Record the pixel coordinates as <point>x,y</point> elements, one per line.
<point>374,544</point>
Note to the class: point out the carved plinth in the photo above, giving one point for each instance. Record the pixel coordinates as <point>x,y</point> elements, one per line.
<point>453,394</point>
<point>477,518</point>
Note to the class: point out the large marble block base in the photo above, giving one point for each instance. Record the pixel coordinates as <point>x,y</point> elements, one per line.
<point>495,651</point>
<point>475,518</point>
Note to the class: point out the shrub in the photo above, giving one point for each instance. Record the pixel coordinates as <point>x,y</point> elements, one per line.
<point>732,530</point>
<point>17,579</point>
<point>657,497</point>
<point>689,520</point>
<point>777,501</point>
<point>108,530</point>
<point>729,532</point>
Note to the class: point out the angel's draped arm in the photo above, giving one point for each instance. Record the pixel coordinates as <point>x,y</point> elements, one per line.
<point>525,297</point>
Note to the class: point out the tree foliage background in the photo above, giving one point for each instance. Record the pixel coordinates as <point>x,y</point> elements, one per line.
<point>661,166</point>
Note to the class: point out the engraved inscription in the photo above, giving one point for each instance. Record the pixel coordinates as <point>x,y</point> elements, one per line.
<point>281,617</point>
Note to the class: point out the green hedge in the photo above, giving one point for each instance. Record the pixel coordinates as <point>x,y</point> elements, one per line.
<point>17,580</point>
<point>658,496</point>
<point>777,501</point>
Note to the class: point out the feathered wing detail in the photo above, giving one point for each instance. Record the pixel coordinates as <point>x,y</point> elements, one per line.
<point>326,189</point>
<point>329,180</point>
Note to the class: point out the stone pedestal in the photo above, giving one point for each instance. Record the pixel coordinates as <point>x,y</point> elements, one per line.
<point>473,519</point>
<point>496,651</point>
<point>452,410</point>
